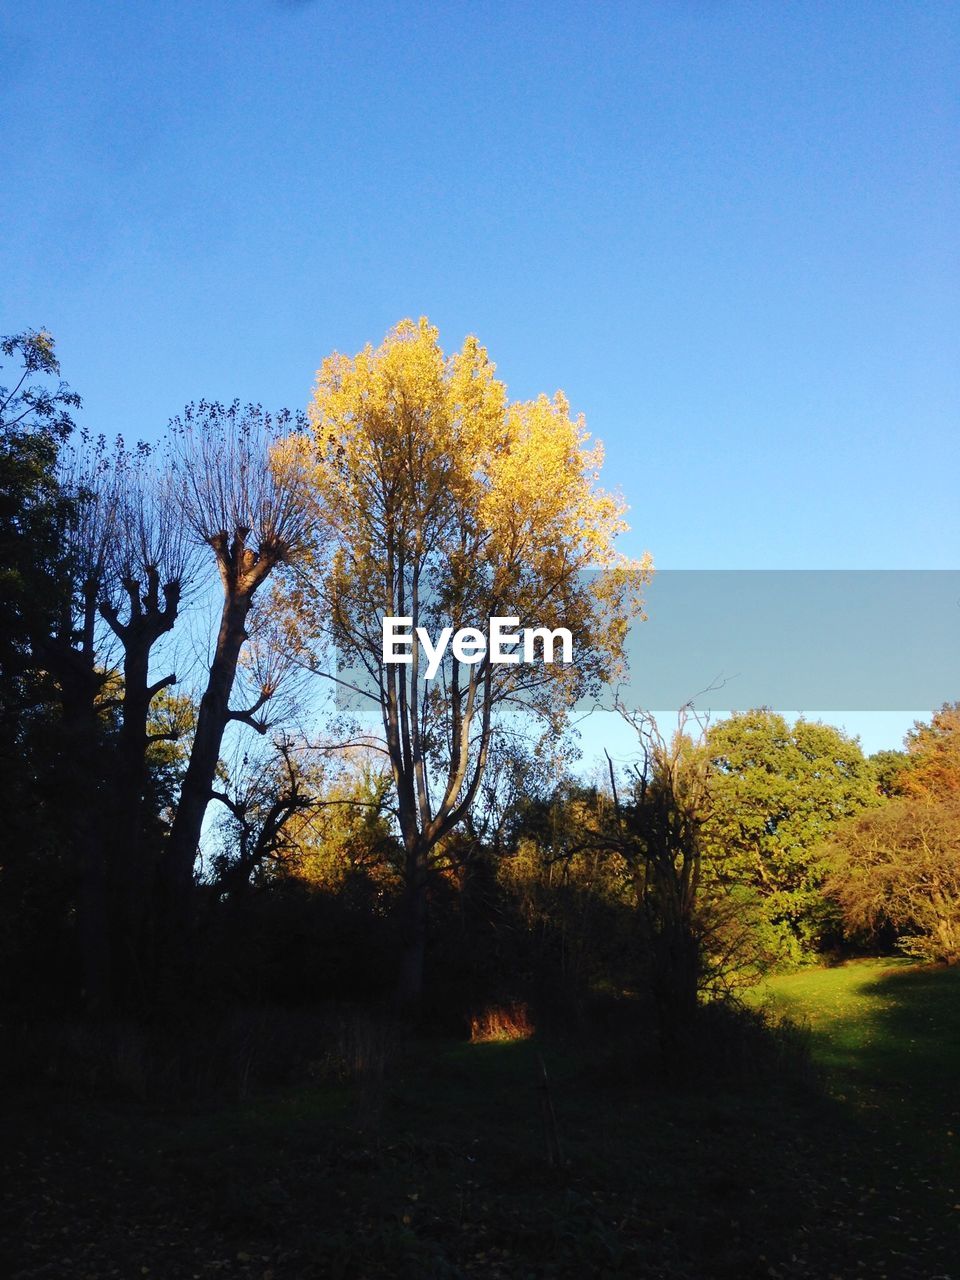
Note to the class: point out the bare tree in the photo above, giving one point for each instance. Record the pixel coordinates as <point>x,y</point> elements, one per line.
<point>89,478</point>
<point>658,833</point>
<point>70,654</point>
<point>150,560</point>
<point>150,563</point>
<point>242,480</point>
<point>261,800</point>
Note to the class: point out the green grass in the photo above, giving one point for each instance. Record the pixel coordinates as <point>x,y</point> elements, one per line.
<point>441,1170</point>
<point>882,1028</point>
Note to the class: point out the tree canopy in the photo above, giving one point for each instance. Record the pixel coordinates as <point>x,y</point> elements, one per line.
<point>776,791</point>
<point>449,505</point>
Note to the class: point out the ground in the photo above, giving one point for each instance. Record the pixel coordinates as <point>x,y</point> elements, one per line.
<point>847,1170</point>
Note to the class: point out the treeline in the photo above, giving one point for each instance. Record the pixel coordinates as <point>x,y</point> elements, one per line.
<point>108,773</point>
<point>189,818</point>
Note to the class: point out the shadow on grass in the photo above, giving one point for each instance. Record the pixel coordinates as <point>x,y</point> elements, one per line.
<point>448,1174</point>
<point>916,1044</point>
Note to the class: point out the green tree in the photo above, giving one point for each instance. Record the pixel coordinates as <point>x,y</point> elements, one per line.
<point>35,582</point>
<point>41,778</point>
<point>888,768</point>
<point>776,792</point>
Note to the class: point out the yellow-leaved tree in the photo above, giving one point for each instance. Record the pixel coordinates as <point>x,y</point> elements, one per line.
<point>447,505</point>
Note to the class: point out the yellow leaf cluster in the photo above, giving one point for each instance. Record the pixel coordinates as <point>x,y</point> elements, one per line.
<point>433,485</point>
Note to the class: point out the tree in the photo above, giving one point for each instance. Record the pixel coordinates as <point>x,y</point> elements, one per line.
<point>36,408</point>
<point>36,867</point>
<point>262,800</point>
<point>127,557</point>
<point>933,756</point>
<point>775,793</point>
<point>243,488</point>
<point>88,691</point>
<point>658,830</point>
<point>449,506</point>
<point>35,421</point>
<point>53,531</point>
<point>96,547</point>
<point>900,865</point>
<point>149,563</point>
<point>570,894</point>
<point>888,768</point>
<point>346,836</point>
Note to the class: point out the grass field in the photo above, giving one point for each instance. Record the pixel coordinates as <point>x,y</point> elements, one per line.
<point>440,1170</point>
<point>879,1024</point>
<point>887,1034</point>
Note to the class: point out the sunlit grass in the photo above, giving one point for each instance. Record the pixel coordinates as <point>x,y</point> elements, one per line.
<point>880,1025</point>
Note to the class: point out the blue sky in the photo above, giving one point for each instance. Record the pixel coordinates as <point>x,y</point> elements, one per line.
<point>727,230</point>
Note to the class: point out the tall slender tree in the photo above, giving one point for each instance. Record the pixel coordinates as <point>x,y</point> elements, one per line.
<point>241,478</point>
<point>449,506</point>
<point>36,603</point>
<point>149,567</point>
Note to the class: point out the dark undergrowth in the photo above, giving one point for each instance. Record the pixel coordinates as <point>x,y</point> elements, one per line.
<point>288,1146</point>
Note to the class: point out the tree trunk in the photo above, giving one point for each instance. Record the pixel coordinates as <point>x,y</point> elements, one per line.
<point>413,925</point>
<point>212,719</point>
<point>132,870</point>
<point>93,920</point>
<point>79,778</point>
<point>83,789</point>
<point>676,959</point>
<point>132,874</point>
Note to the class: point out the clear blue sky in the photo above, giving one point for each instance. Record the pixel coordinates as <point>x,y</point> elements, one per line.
<point>729,231</point>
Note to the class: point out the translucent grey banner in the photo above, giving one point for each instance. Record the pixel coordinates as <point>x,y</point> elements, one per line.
<point>805,640</point>
<point>824,640</point>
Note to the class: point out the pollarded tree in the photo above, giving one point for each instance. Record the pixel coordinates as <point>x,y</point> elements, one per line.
<point>150,562</point>
<point>149,567</point>
<point>449,506</point>
<point>243,488</point>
